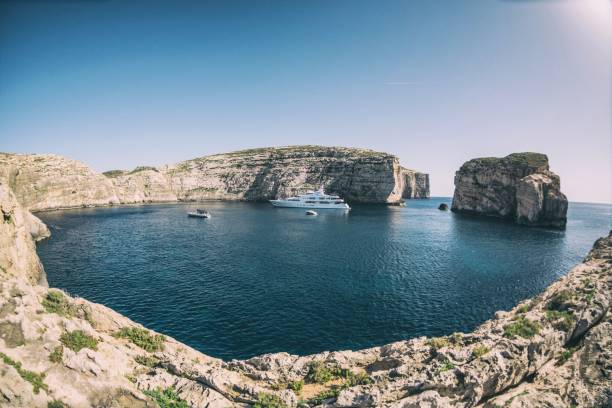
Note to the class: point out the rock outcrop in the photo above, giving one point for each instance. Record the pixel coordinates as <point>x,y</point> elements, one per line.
<point>358,175</point>
<point>553,350</point>
<point>416,185</point>
<point>519,186</point>
<point>43,182</point>
<point>47,181</point>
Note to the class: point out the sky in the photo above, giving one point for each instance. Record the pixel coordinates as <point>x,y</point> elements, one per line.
<point>121,83</point>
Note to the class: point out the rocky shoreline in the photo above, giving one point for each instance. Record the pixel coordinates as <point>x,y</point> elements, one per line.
<point>46,182</point>
<point>553,350</point>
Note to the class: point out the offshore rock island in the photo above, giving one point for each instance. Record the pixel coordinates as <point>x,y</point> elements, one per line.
<point>519,187</point>
<point>44,182</point>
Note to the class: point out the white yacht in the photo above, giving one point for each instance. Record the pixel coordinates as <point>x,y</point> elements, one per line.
<point>313,199</point>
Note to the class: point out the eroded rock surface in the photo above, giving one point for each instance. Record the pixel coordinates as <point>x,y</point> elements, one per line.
<point>519,186</point>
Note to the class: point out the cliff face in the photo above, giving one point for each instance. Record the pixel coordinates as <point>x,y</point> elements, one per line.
<point>416,185</point>
<point>553,350</point>
<point>44,182</point>
<point>264,174</point>
<point>519,186</point>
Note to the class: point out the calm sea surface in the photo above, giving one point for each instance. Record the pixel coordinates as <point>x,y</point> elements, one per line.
<point>255,279</point>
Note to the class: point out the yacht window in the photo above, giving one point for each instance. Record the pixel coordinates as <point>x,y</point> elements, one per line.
<point>310,202</point>
<point>323,202</point>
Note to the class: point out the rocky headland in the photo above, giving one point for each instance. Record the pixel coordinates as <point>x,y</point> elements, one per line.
<point>44,182</point>
<point>554,350</point>
<point>519,187</point>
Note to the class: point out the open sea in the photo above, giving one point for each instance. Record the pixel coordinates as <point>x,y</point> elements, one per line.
<point>255,279</point>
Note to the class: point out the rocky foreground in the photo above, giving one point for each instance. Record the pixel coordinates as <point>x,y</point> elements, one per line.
<point>519,187</point>
<point>554,350</point>
<point>43,182</point>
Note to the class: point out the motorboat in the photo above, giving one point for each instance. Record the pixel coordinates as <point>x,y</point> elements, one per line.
<point>311,212</point>
<point>199,213</point>
<point>313,199</point>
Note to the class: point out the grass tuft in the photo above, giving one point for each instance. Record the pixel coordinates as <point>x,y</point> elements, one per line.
<point>446,366</point>
<point>77,340</point>
<point>438,342</point>
<point>296,386</point>
<point>56,404</point>
<point>265,400</point>
<point>522,327</point>
<point>56,302</point>
<point>480,351</point>
<point>142,338</point>
<point>565,356</point>
<point>57,354</point>
<point>36,379</point>
<point>148,361</point>
<point>167,398</point>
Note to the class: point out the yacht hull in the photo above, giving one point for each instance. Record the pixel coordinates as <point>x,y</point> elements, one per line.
<point>299,204</point>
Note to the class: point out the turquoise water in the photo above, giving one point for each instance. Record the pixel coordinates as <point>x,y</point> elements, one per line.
<point>256,279</point>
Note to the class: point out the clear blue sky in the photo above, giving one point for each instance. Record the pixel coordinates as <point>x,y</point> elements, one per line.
<point>117,84</point>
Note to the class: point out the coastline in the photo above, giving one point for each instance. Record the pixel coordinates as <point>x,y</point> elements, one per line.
<point>399,374</point>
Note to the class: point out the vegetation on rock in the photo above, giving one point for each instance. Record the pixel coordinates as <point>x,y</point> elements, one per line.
<point>265,400</point>
<point>57,354</point>
<point>521,327</point>
<point>148,361</point>
<point>77,340</point>
<point>480,351</point>
<point>167,398</point>
<point>142,338</point>
<point>55,302</point>
<point>36,379</point>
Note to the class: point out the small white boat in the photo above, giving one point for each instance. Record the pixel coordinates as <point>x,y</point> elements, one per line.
<point>311,212</point>
<point>199,213</point>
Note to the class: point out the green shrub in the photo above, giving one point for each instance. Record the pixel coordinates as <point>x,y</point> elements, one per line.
<point>36,379</point>
<point>167,398</point>
<point>148,361</point>
<point>480,351</point>
<point>522,327</point>
<point>524,308</point>
<point>55,302</point>
<point>325,395</point>
<point>565,356</point>
<point>296,385</point>
<point>358,379</point>
<point>269,401</point>
<point>142,338</point>
<point>56,404</point>
<point>320,373</point>
<point>438,342</point>
<point>447,365</point>
<point>563,321</point>
<point>57,354</point>
<point>77,340</point>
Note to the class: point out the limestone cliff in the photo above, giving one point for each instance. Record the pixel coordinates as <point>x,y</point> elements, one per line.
<point>357,175</point>
<point>43,182</point>
<point>519,186</point>
<point>553,350</point>
<point>46,181</point>
<point>416,184</point>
